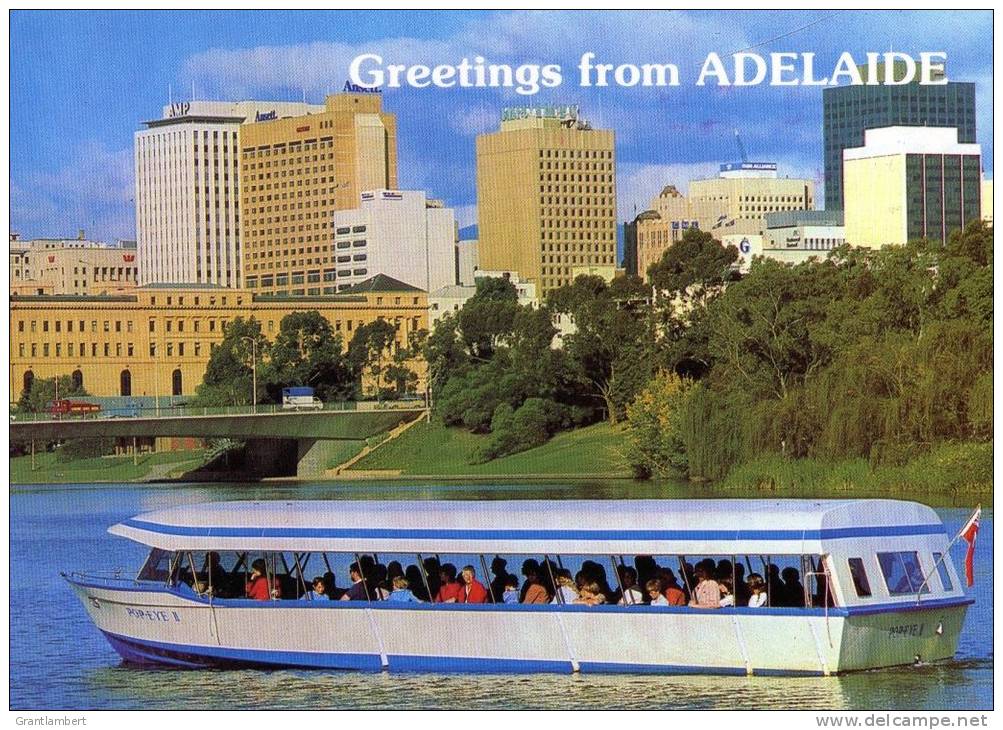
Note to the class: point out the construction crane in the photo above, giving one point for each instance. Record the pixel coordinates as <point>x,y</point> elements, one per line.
<point>741,147</point>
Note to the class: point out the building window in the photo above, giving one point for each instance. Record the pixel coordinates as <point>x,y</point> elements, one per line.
<point>125,383</point>
<point>28,380</point>
<point>78,379</point>
<point>176,382</point>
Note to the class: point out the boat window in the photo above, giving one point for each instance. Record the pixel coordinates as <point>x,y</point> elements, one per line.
<point>859,576</point>
<point>817,587</point>
<point>945,575</point>
<point>157,566</point>
<point>902,572</point>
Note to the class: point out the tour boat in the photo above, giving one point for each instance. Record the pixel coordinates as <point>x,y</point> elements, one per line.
<point>877,584</point>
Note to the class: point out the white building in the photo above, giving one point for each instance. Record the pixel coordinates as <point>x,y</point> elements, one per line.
<point>467,262</point>
<point>187,189</point>
<point>66,266</point>
<point>797,236</point>
<point>400,233</point>
<point>451,298</point>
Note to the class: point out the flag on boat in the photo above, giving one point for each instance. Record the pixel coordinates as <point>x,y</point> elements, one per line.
<point>968,533</point>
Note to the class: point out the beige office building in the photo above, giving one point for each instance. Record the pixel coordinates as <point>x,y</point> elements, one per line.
<point>70,266</point>
<point>295,173</point>
<point>737,201</point>
<point>546,196</point>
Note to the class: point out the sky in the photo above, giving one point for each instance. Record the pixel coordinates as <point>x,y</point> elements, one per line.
<point>82,82</point>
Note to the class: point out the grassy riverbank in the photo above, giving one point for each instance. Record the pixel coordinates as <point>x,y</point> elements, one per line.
<point>431,449</point>
<point>952,469</point>
<point>49,469</point>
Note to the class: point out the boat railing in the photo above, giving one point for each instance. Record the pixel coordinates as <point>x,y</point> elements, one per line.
<point>115,575</point>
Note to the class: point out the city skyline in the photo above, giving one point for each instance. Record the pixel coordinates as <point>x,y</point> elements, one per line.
<point>92,101</point>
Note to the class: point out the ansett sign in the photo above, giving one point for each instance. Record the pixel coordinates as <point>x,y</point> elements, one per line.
<point>356,89</point>
<point>265,116</point>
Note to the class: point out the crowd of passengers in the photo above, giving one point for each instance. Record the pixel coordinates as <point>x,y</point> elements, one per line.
<point>707,584</point>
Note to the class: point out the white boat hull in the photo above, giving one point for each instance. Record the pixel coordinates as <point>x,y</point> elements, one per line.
<point>158,626</point>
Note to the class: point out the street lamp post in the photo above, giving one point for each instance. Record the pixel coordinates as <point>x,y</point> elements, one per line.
<point>254,373</point>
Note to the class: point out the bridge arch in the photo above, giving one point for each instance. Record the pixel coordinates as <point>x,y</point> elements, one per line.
<point>176,382</point>
<point>125,383</point>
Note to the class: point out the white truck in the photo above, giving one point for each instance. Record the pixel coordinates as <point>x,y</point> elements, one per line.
<point>300,398</point>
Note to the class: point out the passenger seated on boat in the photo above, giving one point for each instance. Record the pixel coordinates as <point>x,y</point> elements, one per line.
<point>431,565</point>
<point>757,590</point>
<point>672,592</point>
<point>318,591</point>
<point>793,589</point>
<point>775,586</point>
<point>402,591</point>
<point>533,589</point>
<point>646,568</point>
<point>257,587</point>
<point>511,592</point>
<point>450,589</point>
<point>566,592</point>
<point>215,576</point>
<point>707,593</point>
<point>473,591</point>
<point>590,594</point>
<point>741,587</point>
<point>723,569</point>
<point>380,582</point>
<point>501,574</point>
<point>655,595</point>
<point>631,595</point>
<point>413,575</point>
<point>727,599</point>
<point>358,591</point>
<point>596,573</point>
<point>394,569</point>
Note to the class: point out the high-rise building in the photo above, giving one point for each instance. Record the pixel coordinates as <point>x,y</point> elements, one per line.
<point>295,173</point>
<point>908,183</point>
<point>187,190</point>
<point>849,110</point>
<point>63,266</point>
<point>400,233</point>
<point>737,200</point>
<point>546,196</point>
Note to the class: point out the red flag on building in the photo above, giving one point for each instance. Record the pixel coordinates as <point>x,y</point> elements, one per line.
<point>968,533</point>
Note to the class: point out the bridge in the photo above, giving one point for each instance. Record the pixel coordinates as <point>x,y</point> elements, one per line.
<point>298,440</point>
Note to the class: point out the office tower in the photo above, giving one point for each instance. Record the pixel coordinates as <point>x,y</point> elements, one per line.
<point>849,110</point>
<point>400,233</point>
<point>295,173</point>
<point>546,196</point>
<point>908,183</point>
<point>187,190</point>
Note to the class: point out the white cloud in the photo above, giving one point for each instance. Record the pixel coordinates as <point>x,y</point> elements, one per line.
<point>92,191</point>
<point>637,184</point>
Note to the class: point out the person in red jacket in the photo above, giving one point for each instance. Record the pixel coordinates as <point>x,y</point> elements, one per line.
<point>257,587</point>
<point>450,591</point>
<point>473,590</point>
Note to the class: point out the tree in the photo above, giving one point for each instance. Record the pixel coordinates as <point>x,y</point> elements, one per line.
<point>228,379</point>
<point>445,353</point>
<point>43,391</point>
<point>655,435</point>
<point>307,352</point>
<point>486,319</point>
<point>693,267</point>
<point>611,345</point>
<point>369,351</point>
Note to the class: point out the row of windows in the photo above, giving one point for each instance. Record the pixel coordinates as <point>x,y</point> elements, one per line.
<point>578,154</point>
<point>292,148</point>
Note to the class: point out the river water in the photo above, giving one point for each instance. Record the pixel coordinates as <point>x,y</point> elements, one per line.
<point>58,660</point>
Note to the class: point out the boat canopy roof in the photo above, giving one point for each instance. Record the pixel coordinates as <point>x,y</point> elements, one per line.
<point>660,527</point>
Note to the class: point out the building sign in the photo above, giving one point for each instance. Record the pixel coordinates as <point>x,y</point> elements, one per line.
<point>754,166</point>
<point>794,239</point>
<point>356,89</point>
<point>391,195</point>
<point>305,128</point>
<point>744,246</point>
<point>567,112</point>
<point>368,196</point>
<point>265,116</point>
<point>180,109</point>
<point>128,257</point>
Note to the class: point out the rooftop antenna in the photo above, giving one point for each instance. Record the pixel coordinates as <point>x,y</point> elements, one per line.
<point>741,147</point>
<point>193,89</point>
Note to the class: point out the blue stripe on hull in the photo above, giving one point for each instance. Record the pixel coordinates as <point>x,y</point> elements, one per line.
<point>154,653</point>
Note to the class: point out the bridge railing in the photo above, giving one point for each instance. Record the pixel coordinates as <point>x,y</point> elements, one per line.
<point>188,411</point>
